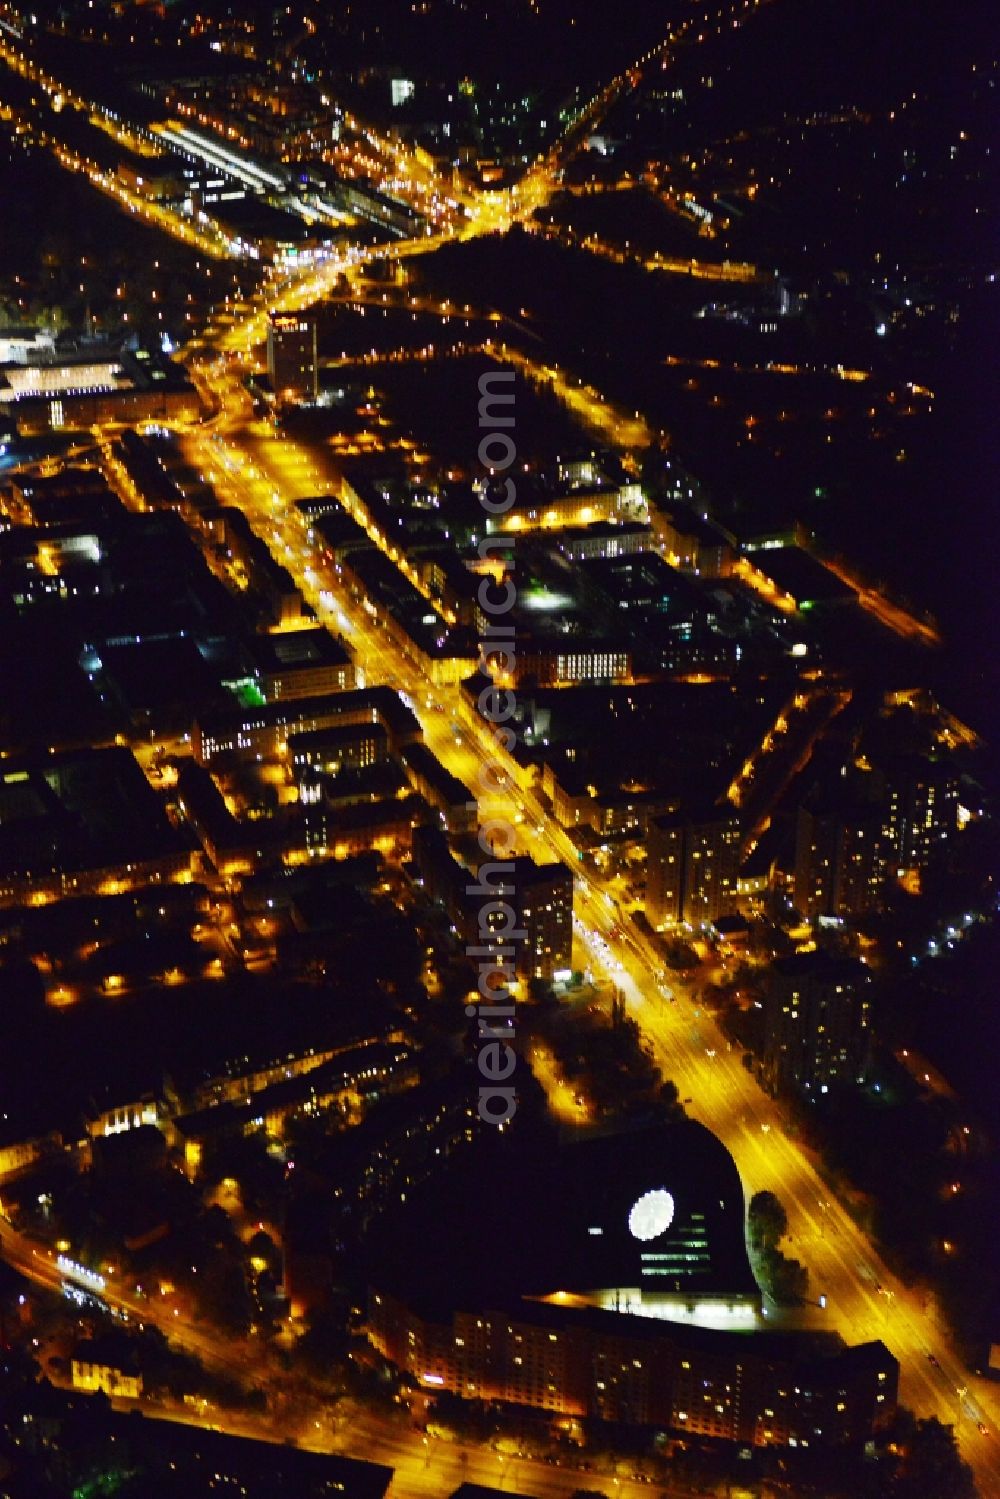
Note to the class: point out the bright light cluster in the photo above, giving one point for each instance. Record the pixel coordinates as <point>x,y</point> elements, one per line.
<point>81,1273</point>
<point>651,1215</point>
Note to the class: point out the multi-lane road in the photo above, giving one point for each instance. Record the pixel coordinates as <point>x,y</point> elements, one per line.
<point>864,1299</point>
<point>263,477</point>
<point>423,1466</point>
<point>39,1264</point>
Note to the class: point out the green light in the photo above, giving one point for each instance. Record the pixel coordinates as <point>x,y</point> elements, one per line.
<point>247,692</point>
<point>103,1485</point>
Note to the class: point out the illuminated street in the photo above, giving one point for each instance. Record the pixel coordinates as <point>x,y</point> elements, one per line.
<point>492,582</point>
<point>689,1048</point>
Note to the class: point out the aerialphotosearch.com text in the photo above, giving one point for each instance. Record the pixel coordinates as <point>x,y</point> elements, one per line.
<point>494,946</point>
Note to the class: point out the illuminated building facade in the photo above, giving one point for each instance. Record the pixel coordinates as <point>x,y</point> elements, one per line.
<point>691,542</point>
<point>839,867</point>
<point>817,1023</point>
<point>100,1365</point>
<point>449,796</point>
<point>342,747</point>
<point>603,539</point>
<point>117,837</point>
<point>659,1208</point>
<point>550,664</point>
<point>692,868</point>
<point>292,362</point>
<point>104,386</point>
<point>265,731</point>
<point>300,663</point>
<point>762,1390</point>
<point>17,1153</point>
<point>921,809</point>
<point>577,507</point>
<point>540,895</point>
<point>543,899</point>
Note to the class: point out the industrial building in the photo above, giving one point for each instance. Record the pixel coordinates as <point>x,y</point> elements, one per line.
<point>46,392</point>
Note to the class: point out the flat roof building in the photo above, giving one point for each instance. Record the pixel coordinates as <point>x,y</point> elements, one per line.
<point>692,867</point>
<point>266,730</point>
<point>691,541</point>
<point>541,896</point>
<point>817,1023</point>
<point>588,1310</point>
<point>797,578</point>
<point>292,361</point>
<point>300,663</point>
<point>89,387</point>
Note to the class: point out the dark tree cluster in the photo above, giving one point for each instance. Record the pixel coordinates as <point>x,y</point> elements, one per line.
<point>784,1279</point>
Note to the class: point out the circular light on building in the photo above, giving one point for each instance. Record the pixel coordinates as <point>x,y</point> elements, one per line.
<point>651,1215</point>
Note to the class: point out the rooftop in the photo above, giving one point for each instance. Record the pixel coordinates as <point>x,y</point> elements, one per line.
<point>574,1229</point>
<point>800,575</point>
<point>292,648</point>
<point>88,372</point>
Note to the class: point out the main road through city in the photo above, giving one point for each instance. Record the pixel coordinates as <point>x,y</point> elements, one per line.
<point>264,475</point>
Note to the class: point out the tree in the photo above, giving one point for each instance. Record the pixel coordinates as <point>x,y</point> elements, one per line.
<point>541,991</point>
<point>324,1346</point>
<point>931,1467</point>
<point>224,1296</point>
<point>767,1220</point>
<point>680,956</point>
<point>668,1100</point>
<point>262,1247</point>
<point>786,1281</point>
